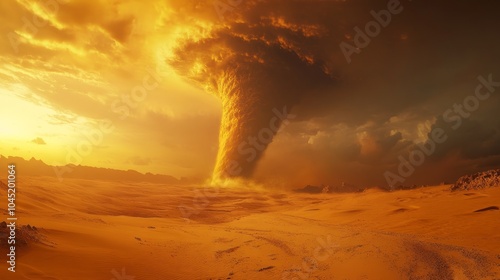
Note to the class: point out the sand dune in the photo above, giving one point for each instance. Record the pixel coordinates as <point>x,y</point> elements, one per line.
<point>101,230</point>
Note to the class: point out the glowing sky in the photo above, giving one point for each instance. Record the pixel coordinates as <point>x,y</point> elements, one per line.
<point>61,77</point>
<point>65,66</point>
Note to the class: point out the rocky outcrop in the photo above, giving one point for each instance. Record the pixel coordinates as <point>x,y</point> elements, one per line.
<point>24,235</point>
<point>481,180</point>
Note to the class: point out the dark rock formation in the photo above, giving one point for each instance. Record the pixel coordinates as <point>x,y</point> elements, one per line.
<point>481,180</point>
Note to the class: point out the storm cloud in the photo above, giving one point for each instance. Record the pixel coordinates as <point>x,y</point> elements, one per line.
<point>270,54</point>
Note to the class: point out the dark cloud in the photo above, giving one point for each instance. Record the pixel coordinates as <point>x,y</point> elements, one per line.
<point>278,53</point>
<point>103,14</point>
<point>120,29</point>
<point>472,140</point>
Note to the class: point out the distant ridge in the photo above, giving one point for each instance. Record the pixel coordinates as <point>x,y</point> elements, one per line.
<point>34,167</point>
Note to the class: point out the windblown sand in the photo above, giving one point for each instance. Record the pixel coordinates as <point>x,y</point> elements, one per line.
<point>102,230</point>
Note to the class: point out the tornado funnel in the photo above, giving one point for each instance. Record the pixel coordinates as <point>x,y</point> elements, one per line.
<point>258,81</point>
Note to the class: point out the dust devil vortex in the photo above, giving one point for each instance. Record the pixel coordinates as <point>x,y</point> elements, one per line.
<point>256,66</point>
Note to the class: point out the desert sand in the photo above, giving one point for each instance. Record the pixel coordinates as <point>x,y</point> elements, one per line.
<point>109,230</point>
